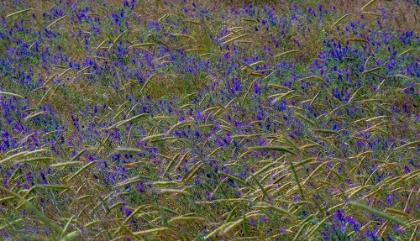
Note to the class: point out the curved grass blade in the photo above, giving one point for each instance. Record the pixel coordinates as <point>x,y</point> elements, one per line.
<point>280,96</point>
<point>36,159</point>
<point>5,199</point>
<point>56,21</point>
<point>142,45</point>
<point>235,38</point>
<point>406,52</point>
<point>314,172</point>
<point>372,13</point>
<point>153,137</point>
<point>185,36</point>
<point>118,124</point>
<point>78,155</point>
<point>9,224</point>
<point>368,4</point>
<point>173,160</point>
<point>65,164</point>
<point>71,236</point>
<point>318,226</point>
<point>80,171</point>
<point>271,148</point>
<point>265,194</point>
<point>413,235</point>
<point>33,115</point>
<point>296,178</point>
<point>185,219</point>
<point>153,230</point>
<point>407,145</point>
<point>276,209</point>
<point>66,227</point>
<point>379,213</point>
<point>193,171</point>
<point>339,20</point>
<point>127,182</point>
<point>286,53</point>
<point>355,94</point>
<point>237,179</point>
<point>126,149</point>
<point>38,213</point>
<point>248,91</point>
<point>302,227</point>
<point>174,191</point>
<point>271,85</point>
<point>325,131</point>
<point>118,38</point>
<point>10,94</point>
<point>18,12</point>
<point>305,119</point>
<point>265,168</point>
<point>21,154</point>
<point>186,122</point>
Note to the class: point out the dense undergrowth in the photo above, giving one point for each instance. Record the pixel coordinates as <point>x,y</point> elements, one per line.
<point>207,120</point>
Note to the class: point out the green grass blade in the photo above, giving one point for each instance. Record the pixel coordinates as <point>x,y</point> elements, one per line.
<point>339,20</point>
<point>80,171</point>
<point>10,94</point>
<point>379,213</point>
<point>18,12</point>
<point>271,148</point>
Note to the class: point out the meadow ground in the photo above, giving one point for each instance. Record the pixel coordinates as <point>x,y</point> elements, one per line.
<point>209,120</point>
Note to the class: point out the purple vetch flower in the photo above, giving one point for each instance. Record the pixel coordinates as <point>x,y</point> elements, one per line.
<point>44,180</point>
<point>397,228</point>
<point>257,89</point>
<point>371,235</point>
<point>311,11</point>
<point>264,21</point>
<point>226,55</point>
<point>353,223</point>
<point>5,235</point>
<point>252,222</point>
<point>338,215</point>
<point>196,180</point>
<point>208,193</point>
<point>184,30</point>
<point>264,219</point>
<point>404,108</point>
<point>28,178</point>
<point>140,187</point>
<point>389,198</point>
<point>127,211</point>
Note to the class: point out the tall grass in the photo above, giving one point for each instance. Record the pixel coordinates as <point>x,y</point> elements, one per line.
<point>209,120</point>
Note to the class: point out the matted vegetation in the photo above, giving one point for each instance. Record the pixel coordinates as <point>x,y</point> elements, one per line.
<point>209,120</point>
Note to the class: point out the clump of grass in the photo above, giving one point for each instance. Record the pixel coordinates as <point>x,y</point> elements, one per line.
<point>200,120</point>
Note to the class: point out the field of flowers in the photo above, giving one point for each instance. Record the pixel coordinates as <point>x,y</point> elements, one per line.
<point>209,120</point>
